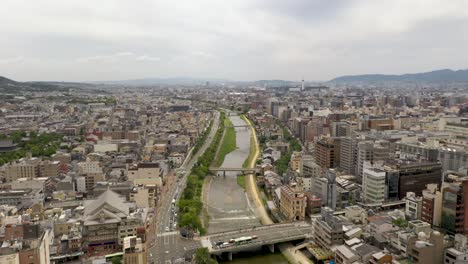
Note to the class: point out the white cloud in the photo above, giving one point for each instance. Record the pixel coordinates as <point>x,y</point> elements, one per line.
<point>243,39</point>
<point>147,58</point>
<point>14,60</point>
<point>112,57</point>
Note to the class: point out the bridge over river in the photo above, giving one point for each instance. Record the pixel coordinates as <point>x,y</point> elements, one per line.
<point>268,235</point>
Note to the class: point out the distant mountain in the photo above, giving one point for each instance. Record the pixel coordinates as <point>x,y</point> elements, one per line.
<point>12,87</point>
<point>6,81</point>
<point>438,76</point>
<point>163,81</point>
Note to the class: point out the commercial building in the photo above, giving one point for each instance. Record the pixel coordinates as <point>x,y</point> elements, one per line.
<point>327,152</point>
<point>293,203</point>
<point>373,184</point>
<point>348,154</point>
<point>134,251</point>
<point>454,198</point>
<point>431,205</point>
<point>458,254</point>
<point>370,151</point>
<point>328,229</point>
<point>423,249</point>
<point>413,206</point>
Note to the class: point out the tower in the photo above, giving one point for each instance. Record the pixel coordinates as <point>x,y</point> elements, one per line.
<point>302,87</point>
<point>331,188</point>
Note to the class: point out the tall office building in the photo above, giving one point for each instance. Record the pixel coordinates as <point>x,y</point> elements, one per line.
<point>454,219</point>
<point>371,151</point>
<point>348,154</point>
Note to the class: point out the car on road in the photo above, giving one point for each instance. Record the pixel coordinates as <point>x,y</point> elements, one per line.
<point>167,229</point>
<point>219,243</point>
<point>225,244</point>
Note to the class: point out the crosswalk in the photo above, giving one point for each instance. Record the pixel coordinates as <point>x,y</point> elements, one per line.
<point>167,234</point>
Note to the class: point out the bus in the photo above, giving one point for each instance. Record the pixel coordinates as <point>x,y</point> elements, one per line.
<point>242,240</point>
<point>110,257</point>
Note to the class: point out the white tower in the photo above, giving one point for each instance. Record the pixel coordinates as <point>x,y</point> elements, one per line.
<point>302,87</point>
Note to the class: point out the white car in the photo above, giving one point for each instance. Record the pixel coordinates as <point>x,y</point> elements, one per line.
<point>167,229</point>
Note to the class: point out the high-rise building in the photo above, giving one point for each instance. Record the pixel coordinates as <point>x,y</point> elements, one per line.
<point>373,184</point>
<point>431,205</point>
<point>327,152</point>
<point>454,198</point>
<point>348,154</point>
<point>343,128</point>
<point>371,151</point>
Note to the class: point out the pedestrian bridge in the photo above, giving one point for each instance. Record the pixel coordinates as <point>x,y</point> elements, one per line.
<point>268,235</point>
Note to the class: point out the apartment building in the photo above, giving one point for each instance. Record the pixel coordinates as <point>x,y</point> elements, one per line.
<point>293,203</point>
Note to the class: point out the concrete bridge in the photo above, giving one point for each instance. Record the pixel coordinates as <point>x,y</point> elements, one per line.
<point>234,126</point>
<point>268,235</point>
<point>232,113</point>
<point>243,170</point>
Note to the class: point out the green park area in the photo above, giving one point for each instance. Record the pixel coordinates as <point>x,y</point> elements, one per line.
<point>229,142</point>
<point>39,145</point>
<point>294,145</point>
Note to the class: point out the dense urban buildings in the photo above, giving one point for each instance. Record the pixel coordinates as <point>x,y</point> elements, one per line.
<point>373,174</point>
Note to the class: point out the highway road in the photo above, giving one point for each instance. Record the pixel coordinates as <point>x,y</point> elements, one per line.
<point>169,247</point>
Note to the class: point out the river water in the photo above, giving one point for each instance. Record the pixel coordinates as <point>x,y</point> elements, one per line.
<point>228,205</point>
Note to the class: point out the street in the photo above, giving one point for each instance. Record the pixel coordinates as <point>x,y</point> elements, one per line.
<point>169,246</point>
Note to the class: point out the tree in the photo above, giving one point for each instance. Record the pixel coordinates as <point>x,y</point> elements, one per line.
<point>400,222</point>
<point>116,260</point>
<point>202,256</point>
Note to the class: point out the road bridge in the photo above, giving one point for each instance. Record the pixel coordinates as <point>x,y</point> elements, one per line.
<point>268,235</point>
<point>234,126</point>
<point>243,170</point>
<point>233,113</point>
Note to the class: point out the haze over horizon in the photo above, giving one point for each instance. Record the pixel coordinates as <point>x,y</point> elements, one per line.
<point>83,40</point>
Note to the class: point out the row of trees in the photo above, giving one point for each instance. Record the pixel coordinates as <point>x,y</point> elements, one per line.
<point>202,138</point>
<point>190,204</point>
<point>39,145</point>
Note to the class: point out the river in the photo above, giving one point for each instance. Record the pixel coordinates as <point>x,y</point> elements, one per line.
<point>227,203</point>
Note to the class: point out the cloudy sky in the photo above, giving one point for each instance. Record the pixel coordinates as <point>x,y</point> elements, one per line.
<point>84,40</point>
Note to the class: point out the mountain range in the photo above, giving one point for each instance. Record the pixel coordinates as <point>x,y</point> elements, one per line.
<point>438,76</point>
<point>8,86</point>
<point>163,81</point>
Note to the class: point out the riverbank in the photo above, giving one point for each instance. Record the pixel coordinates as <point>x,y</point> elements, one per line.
<point>296,257</point>
<point>226,201</point>
<point>228,143</point>
<point>190,203</point>
<point>253,148</point>
<point>250,183</point>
